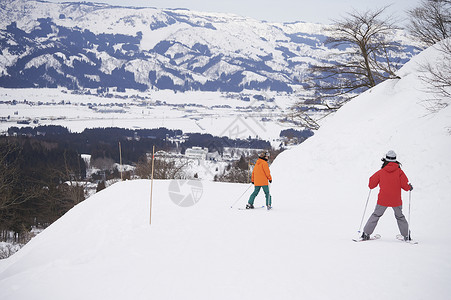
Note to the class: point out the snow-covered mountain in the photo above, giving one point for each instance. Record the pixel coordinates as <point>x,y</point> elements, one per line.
<point>91,45</point>
<point>104,248</point>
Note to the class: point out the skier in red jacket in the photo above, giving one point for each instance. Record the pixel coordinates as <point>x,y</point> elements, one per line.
<point>390,179</point>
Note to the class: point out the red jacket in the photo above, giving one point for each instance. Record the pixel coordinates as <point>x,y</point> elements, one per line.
<point>390,180</point>
<point>261,174</point>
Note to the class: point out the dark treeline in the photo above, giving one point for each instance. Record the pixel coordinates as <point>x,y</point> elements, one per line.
<point>214,143</point>
<point>300,135</point>
<point>104,142</point>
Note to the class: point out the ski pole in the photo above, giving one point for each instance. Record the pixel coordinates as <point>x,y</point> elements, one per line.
<point>240,196</point>
<point>408,217</point>
<point>364,211</point>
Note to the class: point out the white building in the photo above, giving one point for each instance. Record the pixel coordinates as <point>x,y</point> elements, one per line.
<point>196,153</point>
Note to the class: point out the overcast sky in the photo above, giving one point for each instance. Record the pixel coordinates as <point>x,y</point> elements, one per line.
<point>316,11</point>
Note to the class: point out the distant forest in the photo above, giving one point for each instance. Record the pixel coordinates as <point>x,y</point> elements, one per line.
<point>103,142</point>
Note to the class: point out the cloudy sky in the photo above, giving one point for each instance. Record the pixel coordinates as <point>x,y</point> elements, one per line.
<point>317,11</point>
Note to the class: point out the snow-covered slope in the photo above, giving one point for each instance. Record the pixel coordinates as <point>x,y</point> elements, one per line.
<point>104,248</point>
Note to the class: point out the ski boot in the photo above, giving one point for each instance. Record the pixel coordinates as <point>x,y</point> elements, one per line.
<point>249,206</point>
<point>365,237</point>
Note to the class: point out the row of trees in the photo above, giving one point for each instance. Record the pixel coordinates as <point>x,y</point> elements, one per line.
<point>102,143</point>
<point>37,184</point>
<point>166,168</point>
<point>369,37</point>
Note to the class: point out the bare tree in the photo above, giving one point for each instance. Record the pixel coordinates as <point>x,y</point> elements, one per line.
<point>300,115</point>
<point>430,24</point>
<point>76,188</point>
<point>7,250</point>
<point>8,177</point>
<point>368,38</point>
<point>165,168</point>
<point>438,78</point>
<point>10,195</point>
<point>367,41</point>
<point>431,21</point>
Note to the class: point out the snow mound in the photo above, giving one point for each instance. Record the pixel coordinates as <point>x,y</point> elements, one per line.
<point>104,248</point>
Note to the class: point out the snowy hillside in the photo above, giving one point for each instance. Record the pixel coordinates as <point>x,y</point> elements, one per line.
<point>104,248</point>
<point>91,45</point>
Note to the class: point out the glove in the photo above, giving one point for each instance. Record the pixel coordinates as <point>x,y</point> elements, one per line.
<point>253,183</point>
<point>411,187</point>
<point>270,181</point>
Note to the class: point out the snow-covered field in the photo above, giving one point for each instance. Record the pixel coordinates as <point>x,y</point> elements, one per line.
<point>104,248</point>
<point>220,114</point>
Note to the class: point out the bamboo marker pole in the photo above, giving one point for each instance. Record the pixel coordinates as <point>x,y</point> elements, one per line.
<point>120,160</point>
<point>151,184</point>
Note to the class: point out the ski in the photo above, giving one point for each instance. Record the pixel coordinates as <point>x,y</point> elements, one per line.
<point>401,238</point>
<point>256,207</point>
<point>374,237</point>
